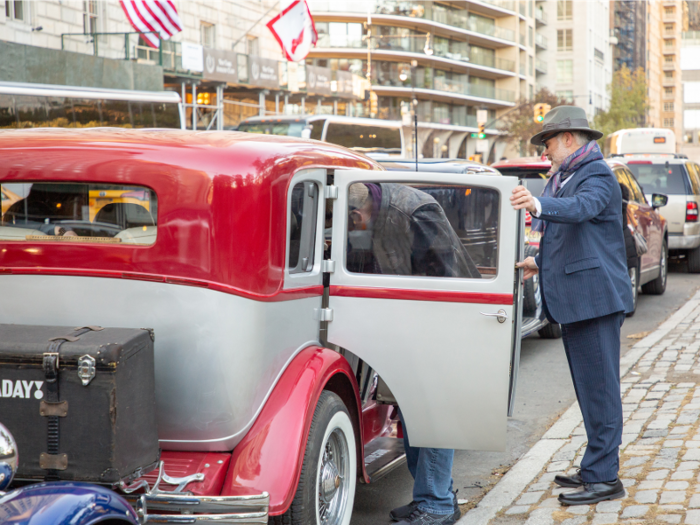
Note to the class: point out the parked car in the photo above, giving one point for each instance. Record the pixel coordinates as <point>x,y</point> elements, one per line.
<point>652,272</point>
<point>679,179</point>
<point>268,348</point>
<point>484,235</point>
<point>376,138</point>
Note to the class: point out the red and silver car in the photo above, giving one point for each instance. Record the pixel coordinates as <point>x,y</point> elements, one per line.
<point>278,367</point>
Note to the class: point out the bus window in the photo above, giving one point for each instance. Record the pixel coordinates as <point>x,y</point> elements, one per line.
<point>364,138</point>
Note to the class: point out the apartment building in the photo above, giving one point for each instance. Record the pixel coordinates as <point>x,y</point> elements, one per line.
<point>628,26</point>
<point>690,67</point>
<point>91,43</point>
<point>452,57</point>
<point>581,55</point>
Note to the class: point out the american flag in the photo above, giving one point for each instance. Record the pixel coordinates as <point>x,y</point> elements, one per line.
<point>153,15</point>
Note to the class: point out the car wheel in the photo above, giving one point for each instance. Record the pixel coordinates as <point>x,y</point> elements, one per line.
<point>658,285</point>
<point>531,288</point>
<point>550,331</point>
<point>634,280</point>
<point>694,260</point>
<point>328,477</point>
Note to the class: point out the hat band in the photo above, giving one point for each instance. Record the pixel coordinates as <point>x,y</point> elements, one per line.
<point>566,123</point>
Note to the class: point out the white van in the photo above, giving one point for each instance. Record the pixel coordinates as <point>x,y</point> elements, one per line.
<point>374,137</point>
<point>639,141</point>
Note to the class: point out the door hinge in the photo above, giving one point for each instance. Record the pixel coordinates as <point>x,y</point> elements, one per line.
<point>328,266</point>
<point>331,192</point>
<point>323,314</point>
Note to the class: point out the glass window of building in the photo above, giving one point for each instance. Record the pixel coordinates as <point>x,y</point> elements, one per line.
<point>90,16</point>
<point>565,9</point>
<point>565,71</point>
<point>482,56</point>
<point>15,10</point>
<point>565,39</point>
<point>207,34</point>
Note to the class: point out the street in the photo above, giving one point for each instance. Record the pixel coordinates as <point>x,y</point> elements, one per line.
<point>544,393</point>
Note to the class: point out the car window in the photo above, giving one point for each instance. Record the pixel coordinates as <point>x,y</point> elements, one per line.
<point>302,227</point>
<point>364,138</point>
<point>637,190</point>
<point>291,129</point>
<point>72,212</point>
<point>694,176</point>
<point>665,178</point>
<point>451,232</point>
<point>317,129</point>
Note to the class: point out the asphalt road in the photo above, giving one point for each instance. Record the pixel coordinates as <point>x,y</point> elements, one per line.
<point>544,392</point>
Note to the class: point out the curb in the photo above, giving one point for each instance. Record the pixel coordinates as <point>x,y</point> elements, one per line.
<point>504,493</point>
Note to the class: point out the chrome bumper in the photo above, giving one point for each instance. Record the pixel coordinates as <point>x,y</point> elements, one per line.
<point>202,509</point>
<point>683,242</point>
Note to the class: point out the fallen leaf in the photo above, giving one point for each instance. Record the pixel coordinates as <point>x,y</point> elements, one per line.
<point>640,335</point>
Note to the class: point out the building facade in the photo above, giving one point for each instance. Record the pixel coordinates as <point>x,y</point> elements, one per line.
<point>628,26</point>
<point>453,58</point>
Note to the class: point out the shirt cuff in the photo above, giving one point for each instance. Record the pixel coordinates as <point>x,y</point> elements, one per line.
<point>538,206</point>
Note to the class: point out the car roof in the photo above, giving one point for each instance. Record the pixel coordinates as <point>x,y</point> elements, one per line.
<point>221,194</point>
<point>523,162</point>
<point>330,118</point>
<point>654,158</point>
<point>438,165</point>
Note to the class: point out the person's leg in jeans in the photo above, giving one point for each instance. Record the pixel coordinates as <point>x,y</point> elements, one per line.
<point>431,469</point>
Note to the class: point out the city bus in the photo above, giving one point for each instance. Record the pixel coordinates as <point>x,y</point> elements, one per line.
<point>373,137</point>
<point>640,141</point>
<point>24,105</point>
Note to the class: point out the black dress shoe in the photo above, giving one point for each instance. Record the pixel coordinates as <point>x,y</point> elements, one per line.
<point>569,481</point>
<point>593,493</point>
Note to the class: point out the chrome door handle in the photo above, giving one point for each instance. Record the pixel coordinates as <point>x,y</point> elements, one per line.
<point>501,316</point>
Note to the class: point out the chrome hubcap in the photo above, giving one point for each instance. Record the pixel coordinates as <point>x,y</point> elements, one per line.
<point>332,483</point>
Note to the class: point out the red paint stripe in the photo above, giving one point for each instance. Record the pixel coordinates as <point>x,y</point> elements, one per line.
<point>280,295</point>
<point>444,296</point>
<point>151,38</point>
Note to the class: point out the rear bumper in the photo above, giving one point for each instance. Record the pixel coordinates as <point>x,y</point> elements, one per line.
<point>184,508</point>
<point>678,241</point>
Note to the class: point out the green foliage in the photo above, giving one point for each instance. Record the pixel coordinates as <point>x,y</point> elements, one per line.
<point>628,102</point>
<point>519,125</point>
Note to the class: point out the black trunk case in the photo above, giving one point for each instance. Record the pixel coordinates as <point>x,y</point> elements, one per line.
<point>109,432</point>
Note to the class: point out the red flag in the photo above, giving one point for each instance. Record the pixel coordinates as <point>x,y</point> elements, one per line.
<point>294,30</point>
<point>159,16</point>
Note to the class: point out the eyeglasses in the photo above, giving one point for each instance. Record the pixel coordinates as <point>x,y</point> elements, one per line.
<point>549,137</point>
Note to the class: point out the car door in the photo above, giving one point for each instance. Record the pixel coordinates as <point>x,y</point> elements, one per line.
<point>444,345</point>
<point>648,224</point>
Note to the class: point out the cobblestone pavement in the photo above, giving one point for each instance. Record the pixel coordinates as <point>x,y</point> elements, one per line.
<point>660,452</point>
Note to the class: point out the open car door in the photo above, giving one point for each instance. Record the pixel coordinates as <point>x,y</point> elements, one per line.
<point>426,293</point>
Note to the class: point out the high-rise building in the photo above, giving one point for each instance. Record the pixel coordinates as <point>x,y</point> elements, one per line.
<point>453,58</point>
<point>628,26</point>
<point>690,68</point>
<point>580,56</point>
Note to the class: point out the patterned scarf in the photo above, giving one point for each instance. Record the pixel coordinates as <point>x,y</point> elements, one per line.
<point>584,154</point>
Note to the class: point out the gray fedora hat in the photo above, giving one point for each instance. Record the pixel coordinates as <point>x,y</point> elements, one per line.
<point>564,118</point>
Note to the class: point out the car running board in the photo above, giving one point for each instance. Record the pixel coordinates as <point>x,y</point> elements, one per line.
<point>382,455</point>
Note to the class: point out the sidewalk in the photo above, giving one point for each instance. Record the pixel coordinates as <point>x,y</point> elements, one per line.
<point>660,452</point>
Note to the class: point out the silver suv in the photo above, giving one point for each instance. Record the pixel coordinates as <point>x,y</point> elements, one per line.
<point>679,178</point>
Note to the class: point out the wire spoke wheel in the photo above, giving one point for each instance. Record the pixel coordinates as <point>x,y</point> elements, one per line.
<point>332,479</point>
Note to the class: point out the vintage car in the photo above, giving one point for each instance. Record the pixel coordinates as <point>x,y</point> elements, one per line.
<point>280,356</point>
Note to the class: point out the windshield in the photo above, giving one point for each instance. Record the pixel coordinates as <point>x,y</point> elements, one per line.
<point>20,111</point>
<point>668,179</point>
<point>289,129</point>
<point>72,212</point>
<point>364,138</point>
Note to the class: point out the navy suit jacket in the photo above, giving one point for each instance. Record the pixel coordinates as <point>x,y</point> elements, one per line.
<point>582,258</point>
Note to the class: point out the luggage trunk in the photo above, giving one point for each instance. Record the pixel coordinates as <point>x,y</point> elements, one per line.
<point>80,402</point>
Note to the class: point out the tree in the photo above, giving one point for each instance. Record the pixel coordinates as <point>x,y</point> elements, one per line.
<point>519,126</point>
<point>628,102</point>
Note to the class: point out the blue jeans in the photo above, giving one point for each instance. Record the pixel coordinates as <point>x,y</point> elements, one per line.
<point>431,469</point>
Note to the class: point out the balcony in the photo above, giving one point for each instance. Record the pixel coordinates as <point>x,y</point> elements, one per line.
<point>523,39</point>
<point>669,66</point>
<point>668,82</point>
<point>508,5</point>
<point>540,67</point>
<point>522,8</point>
<point>668,18</point>
<point>540,41</point>
<point>523,68</point>
<point>540,17</point>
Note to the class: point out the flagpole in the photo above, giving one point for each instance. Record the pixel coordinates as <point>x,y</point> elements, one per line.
<point>369,48</point>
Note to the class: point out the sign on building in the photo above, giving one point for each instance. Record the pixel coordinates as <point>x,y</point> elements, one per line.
<point>318,80</point>
<point>220,65</point>
<point>263,72</point>
<point>344,83</point>
<point>192,57</point>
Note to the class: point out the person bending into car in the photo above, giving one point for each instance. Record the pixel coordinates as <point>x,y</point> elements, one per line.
<point>407,233</point>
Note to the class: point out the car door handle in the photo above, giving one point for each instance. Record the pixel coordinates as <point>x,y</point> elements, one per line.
<point>501,316</point>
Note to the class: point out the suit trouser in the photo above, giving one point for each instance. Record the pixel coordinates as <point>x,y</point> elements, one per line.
<point>593,351</point>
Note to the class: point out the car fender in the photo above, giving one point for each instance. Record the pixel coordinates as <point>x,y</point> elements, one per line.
<point>64,503</point>
<point>270,456</point>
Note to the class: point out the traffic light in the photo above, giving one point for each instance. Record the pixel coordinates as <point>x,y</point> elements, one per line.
<point>481,134</point>
<point>372,103</point>
<point>540,111</point>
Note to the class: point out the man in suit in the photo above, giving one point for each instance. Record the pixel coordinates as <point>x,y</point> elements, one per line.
<point>585,287</point>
